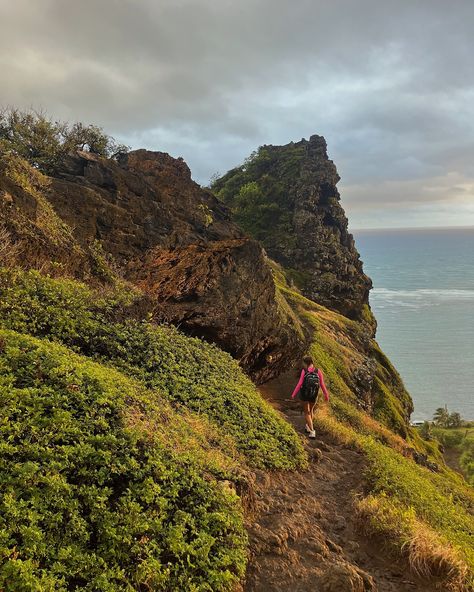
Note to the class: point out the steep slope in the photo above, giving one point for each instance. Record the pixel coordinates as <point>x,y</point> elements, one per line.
<point>127,448</point>
<point>397,490</point>
<point>286,197</point>
<point>377,508</point>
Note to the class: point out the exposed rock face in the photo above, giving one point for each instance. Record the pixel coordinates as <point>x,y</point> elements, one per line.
<point>299,182</point>
<point>31,233</point>
<point>176,241</point>
<point>146,199</point>
<point>222,291</point>
<point>324,245</point>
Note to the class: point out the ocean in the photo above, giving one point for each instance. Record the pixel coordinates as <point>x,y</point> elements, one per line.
<point>423,299</point>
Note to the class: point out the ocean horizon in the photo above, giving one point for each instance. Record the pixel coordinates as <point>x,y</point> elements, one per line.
<point>423,300</point>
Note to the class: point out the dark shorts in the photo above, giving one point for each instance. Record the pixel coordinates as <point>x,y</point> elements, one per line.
<point>312,400</point>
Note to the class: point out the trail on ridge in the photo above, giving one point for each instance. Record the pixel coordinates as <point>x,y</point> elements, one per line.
<point>304,536</point>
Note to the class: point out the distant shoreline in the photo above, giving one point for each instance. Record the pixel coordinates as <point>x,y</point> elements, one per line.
<point>412,228</point>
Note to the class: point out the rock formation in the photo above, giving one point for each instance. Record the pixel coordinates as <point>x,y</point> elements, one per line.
<point>307,230</point>
<point>146,219</point>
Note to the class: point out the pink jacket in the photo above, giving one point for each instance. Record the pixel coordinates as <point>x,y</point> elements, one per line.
<point>321,382</point>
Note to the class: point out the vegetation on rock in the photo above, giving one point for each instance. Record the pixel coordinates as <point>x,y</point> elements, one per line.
<point>286,197</point>
<point>187,370</point>
<point>43,142</point>
<point>421,508</point>
<point>260,194</point>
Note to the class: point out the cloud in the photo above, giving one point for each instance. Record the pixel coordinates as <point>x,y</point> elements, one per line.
<point>389,84</point>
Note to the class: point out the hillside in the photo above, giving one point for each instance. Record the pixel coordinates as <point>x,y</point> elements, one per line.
<point>142,218</point>
<point>124,446</point>
<point>396,490</point>
<point>138,454</point>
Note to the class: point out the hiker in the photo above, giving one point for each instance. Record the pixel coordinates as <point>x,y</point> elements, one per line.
<point>308,387</point>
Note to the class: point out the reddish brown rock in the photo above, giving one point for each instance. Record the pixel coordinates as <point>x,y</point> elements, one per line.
<point>222,291</point>
<point>162,231</point>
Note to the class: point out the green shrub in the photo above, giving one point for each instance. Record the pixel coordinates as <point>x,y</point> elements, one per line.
<point>461,441</point>
<point>93,501</point>
<point>261,194</point>
<point>188,371</point>
<point>44,142</point>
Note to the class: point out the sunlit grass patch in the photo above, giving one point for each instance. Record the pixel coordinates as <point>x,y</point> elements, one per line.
<point>427,516</point>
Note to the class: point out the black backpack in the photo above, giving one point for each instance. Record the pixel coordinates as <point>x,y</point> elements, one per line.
<point>310,387</point>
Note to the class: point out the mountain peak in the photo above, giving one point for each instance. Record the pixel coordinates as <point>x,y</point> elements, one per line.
<point>286,197</point>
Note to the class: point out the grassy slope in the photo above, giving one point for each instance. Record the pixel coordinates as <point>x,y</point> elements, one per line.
<point>187,371</point>
<point>426,515</point>
<point>460,443</point>
<point>119,441</point>
<point>97,490</point>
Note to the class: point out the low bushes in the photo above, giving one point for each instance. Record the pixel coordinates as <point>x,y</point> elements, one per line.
<point>96,494</point>
<point>188,371</point>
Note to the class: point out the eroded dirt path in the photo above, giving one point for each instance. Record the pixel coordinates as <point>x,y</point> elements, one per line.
<point>304,537</point>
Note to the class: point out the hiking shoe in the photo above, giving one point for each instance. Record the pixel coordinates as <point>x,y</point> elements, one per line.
<point>312,434</point>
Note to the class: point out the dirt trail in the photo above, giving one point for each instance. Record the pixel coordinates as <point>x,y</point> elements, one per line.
<point>304,537</point>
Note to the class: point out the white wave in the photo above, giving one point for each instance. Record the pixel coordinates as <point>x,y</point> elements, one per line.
<point>421,297</point>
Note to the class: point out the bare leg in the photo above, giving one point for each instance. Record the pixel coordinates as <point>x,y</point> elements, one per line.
<point>308,414</point>
<point>313,407</point>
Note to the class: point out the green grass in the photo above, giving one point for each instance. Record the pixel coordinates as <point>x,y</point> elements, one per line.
<point>423,515</point>
<point>461,442</point>
<point>187,371</point>
<point>98,490</point>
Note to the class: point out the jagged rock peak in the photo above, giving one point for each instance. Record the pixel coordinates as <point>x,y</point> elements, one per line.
<point>286,197</point>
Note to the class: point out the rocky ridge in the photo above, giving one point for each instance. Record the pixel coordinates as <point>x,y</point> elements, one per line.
<point>296,183</point>
<point>144,218</point>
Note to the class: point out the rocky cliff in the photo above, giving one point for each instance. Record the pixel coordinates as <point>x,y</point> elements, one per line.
<point>142,217</point>
<point>286,197</point>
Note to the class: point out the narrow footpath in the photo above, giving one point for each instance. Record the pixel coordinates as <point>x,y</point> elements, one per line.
<point>304,536</point>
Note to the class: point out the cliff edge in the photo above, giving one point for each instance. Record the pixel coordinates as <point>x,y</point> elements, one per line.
<point>286,197</point>
<point>143,218</point>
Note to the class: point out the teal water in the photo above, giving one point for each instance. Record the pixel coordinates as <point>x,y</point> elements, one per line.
<point>423,299</point>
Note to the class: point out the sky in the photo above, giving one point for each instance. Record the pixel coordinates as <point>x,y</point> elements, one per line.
<point>388,83</point>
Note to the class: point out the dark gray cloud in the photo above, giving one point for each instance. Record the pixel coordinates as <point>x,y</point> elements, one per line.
<point>390,85</point>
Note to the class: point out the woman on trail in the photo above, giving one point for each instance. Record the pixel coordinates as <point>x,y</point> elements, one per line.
<point>308,387</point>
